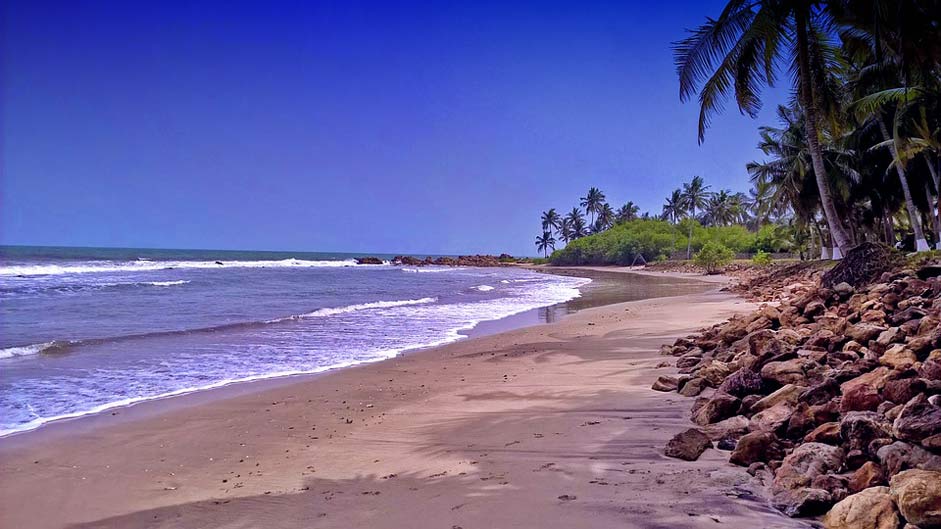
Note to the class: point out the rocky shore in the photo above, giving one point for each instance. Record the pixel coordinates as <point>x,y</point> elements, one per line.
<point>830,393</point>
<point>462,260</point>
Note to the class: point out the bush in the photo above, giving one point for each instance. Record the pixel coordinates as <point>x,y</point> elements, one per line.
<point>636,241</point>
<point>761,259</point>
<point>713,257</point>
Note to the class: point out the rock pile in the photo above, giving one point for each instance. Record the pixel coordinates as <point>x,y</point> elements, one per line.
<point>463,260</point>
<point>831,395</point>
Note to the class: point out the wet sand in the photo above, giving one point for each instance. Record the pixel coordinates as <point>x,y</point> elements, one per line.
<point>547,426</point>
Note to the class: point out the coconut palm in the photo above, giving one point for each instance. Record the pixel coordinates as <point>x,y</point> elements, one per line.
<point>743,49</point>
<point>592,202</point>
<point>694,197</point>
<point>545,243</point>
<point>565,230</point>
<point>627,212</point>
<point>605,219</point>
<point>550,220</point>
<point>576,223</point>
<point>673,208</point>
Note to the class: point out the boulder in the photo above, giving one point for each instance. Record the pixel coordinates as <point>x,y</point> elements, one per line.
<point>828,432</point>
<point>870,509</point>
<point>688,445</point>
<point>862,393</point>
<point>898,357</point>
<point>900,455</point>
<point>864,332</point>
<point>756,447</point>
<point>789,394</point>
<point>692,387</point>
<point>741,383</point>
<point>731,428</point>
<point>714,373</point>
<point>791,488</point>
<point>772,419</point>
<point>665,383</point>
<point>870,474</point>
<point>918,496</point>
<point>902,390</point>
<point>785,372</point>
<point>821,392</point>
<point>918,419</point>
<point>720,406</point>
<point>859,428</point>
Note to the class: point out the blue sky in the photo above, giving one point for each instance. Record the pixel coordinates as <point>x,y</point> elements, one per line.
<point>366,127</point>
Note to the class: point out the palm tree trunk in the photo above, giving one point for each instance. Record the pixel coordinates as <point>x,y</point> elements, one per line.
<point>689,239</point>
<point>921,245</point>
<point>887,228</point>
<point>936,218</point>
<point>809,104</point>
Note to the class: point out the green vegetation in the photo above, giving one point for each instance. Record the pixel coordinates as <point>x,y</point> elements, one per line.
<point>637,241</point>
<point>713,257</point>
<point>761,259</point>
<point>855,155</point>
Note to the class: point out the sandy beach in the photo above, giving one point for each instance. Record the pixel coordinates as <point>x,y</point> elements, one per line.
<point>551,425</point>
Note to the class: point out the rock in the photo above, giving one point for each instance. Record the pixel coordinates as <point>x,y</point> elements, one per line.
<point>890,335</point>
<point>870,474</point>
<point>714,373</point>
<point>844,289</point>
<point>903,390</point>
<point>731,428</point>
<point>665,383</point>
<point>369,261</point>
<point>789,393</point>
<point>900,455</point>
<point>720,406</point>
<point>741,383</point>
<point>828,432</point>
<point>930,369</point>
<point>688,445</point>
<point>859,428</point>
<point>918,496</point>
<point>870,509</point>
<point>862,393</point>
<point>898,357</point>
<point>692,387</point>
<point>772,419</point>
<point>863,332</point>
<point>786,372</point>
<point>917,420</point>
<point>821,393</point>
<point>791,486</point>
<point>756,447</point>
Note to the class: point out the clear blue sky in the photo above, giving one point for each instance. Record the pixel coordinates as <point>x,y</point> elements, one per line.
<point>343,126</point>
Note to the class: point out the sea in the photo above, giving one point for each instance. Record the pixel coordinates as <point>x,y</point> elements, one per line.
<point>83,330</point>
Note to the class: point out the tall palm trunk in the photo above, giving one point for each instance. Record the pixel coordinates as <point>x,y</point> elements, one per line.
<point>689,239</point>
<point>921,244</point>
<point>809,104</point>
<point>887,228</point>
<point>936,218</point>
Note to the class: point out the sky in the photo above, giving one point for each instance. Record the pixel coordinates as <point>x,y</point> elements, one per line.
<point>384,127</point>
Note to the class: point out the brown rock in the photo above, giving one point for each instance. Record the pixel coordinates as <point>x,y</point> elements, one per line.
<point>720,406</point>
<point>742,382</point>
<point>791,486</point>
<point>863,332</point>
<point>903,390</point>
<point>665,383</point>
<point>870,474</point>
<point>688,445</point>
<point>918,496</point>
<point>870,509</point>
<point>828,432</point>
<point>786,372</point>
<point>731,428</point>
<point>772,419</point>
<point>756,447</point>
<point>917,420</point>
<point>898,357</point>
<point>789,393</point>
<point>692,387</point>
<point>900,455</point>
<point>859,428</point>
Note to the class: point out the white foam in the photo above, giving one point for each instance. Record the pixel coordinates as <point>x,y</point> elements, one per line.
<point>483,288</point>
<point>331,311</point>
<point>166,283</point>
<point>26,350</point>
<point>145,266</point>
<point>431,270</point>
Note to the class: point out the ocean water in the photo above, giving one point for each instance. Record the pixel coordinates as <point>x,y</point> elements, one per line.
<point>84,330</point>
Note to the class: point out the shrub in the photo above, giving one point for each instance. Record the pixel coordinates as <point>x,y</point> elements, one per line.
<point>761,259</point>
<point>713,257</point>
<point>636,241</point>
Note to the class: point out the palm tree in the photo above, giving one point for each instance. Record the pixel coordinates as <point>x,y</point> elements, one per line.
<point>545,243</point>
<point>742,50</point>
<point>721,210</point>
<point>627,212</point>
<point>565,230</point>
<point>673,208</point>
<point>605,219</point>
<point>592,202</point>
<point>576,223</point>
<point>550,220</point>
<point>694,196</point>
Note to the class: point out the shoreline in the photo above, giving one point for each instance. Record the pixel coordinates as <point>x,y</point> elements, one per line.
<point>139,477</point>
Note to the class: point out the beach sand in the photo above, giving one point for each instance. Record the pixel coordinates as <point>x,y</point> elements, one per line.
<point>547,426</point>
